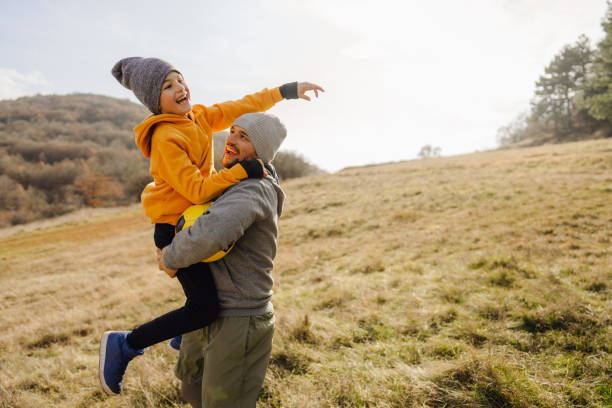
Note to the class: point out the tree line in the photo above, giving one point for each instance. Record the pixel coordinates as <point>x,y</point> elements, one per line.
<point>572,98</point>
<point>59,153</point>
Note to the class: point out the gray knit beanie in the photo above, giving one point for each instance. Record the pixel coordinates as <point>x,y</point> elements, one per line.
<point>145,77</point>
<point>265,131</point>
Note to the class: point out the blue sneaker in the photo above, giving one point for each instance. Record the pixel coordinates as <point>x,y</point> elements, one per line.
<point>115,354</point>
<point>175,343</point>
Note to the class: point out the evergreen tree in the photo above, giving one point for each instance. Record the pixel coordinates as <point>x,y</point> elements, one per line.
<point>598,92</point>
<point>561,85</point>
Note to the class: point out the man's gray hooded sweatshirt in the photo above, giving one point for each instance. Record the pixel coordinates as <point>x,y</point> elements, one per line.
<point>247,214</point>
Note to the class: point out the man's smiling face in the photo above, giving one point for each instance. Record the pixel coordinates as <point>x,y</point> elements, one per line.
<point>175,95</point>
<point>238,147</point>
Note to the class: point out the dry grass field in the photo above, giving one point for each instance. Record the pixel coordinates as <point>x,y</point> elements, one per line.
<point>481,280</point>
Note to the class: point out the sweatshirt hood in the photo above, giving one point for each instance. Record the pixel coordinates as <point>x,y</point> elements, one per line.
<point>280,194</point>
<point>273,177</point>
<point>144,131</point>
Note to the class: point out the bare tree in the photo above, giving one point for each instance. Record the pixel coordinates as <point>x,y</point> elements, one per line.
<point>428,151</point>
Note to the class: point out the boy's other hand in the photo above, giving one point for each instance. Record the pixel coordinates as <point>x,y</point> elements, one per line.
<point>304,87</point>
<point>162,266</point>
<point>254,167</point>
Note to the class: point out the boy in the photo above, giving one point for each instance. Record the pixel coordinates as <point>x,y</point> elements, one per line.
<point>177,137</point>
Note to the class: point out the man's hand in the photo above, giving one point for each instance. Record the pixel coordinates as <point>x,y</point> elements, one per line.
<point>303,87</point>
<point>162,266</point>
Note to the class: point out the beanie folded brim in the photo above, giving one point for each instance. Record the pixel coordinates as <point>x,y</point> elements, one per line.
<point>266,132</point>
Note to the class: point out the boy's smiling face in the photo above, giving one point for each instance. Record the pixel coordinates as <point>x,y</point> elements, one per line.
<point>238,147</point>
<point>175,95</point>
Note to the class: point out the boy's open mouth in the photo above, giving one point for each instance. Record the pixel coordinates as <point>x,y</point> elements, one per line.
<point>181,100</point>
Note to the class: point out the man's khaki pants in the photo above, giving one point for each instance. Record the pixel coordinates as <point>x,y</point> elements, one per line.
<point>229,358</point>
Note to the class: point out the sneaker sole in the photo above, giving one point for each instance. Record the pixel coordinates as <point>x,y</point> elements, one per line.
<point>103,341</point>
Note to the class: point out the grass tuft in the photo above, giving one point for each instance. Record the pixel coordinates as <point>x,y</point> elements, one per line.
<point>371,330</point>
<point>575,319</point>
<point>374,265</point>
<point>444,349</point>
<point>597,286</point>
<point>289,362</point>
<point>48,340</point>
<point>302,332</point>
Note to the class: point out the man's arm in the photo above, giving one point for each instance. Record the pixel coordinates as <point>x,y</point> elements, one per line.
<point>224,222</point>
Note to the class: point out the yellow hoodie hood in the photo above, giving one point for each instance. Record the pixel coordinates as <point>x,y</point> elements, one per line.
<point>144,131</point>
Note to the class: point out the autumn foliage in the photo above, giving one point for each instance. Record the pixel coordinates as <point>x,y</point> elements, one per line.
<point>97,189</point>
<point>61,153</point>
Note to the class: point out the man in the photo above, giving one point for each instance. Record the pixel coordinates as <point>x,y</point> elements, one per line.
<point>224,364</point>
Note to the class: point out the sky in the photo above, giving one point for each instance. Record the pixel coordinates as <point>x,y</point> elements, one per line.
<point>398,75</point>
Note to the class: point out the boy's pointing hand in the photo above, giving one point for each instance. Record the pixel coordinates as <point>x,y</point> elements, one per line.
<point>304,87</point>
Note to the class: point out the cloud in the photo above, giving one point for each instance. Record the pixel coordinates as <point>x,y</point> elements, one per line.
<point>14,84</point>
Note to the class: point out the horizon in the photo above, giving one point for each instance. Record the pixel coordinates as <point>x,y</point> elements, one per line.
<point>349,167</point>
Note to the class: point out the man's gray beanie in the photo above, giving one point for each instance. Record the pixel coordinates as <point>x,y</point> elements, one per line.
<point>145,77</point>
<point>265,131</point>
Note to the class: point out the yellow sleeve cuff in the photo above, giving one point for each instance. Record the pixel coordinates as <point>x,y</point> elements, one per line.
<point>276,94</point>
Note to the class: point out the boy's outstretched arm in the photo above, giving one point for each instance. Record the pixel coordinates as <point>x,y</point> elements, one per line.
<point>221,116</point>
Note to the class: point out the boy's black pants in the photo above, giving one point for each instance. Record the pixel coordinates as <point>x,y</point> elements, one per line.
<point>200,309</point>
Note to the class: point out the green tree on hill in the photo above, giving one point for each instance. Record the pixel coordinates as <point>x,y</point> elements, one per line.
<point>573,98</point>
<point>558,89</point>
<point>559,111</point>
<point>598,92</point>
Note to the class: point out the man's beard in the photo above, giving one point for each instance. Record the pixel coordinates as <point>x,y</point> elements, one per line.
<point>230,164</point>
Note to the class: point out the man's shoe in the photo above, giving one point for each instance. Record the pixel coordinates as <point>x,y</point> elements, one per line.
<point>115,355</point>
<point>175,343</point>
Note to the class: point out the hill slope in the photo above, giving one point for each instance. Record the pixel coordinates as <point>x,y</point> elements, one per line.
<point>59,153</point>
<point>478,280</point>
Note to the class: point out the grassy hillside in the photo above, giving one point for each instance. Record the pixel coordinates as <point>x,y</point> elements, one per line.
<point>471,281</point>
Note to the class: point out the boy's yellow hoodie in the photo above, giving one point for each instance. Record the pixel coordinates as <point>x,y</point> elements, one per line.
<point>181,153</point>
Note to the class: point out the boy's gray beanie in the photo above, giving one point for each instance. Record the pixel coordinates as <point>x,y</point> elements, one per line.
<point>145,77</point>
<point>265,131</point>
